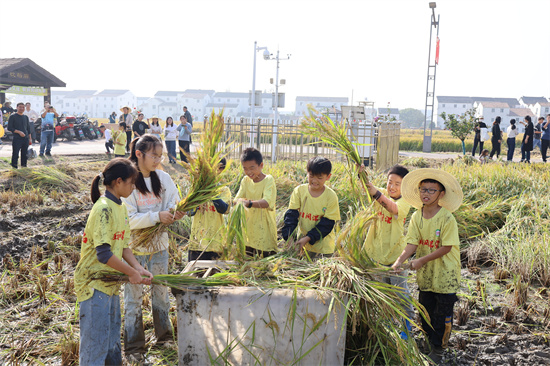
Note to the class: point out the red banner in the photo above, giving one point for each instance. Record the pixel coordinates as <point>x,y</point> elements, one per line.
<point>437,52</point>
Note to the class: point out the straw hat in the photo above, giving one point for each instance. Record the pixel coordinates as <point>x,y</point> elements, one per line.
<point>453,192</point>
<point>155,117</point>
<point>122,109</point>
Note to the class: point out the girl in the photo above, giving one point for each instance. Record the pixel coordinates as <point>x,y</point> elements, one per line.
<point>184,138</point>
<point>484,156</point>
<point>496,139</point>
<point>511,132</point>
<point>527,142</point>
<point>104,244</point>
<point>120,141</point>
<point>477,137</point>
<point>155,127</point>
<point>170,136</point>
<point>149,204</point>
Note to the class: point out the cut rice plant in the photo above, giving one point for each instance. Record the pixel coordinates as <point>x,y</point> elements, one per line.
<point>205,181</point>
<point>235,235</point>
<point>335,135</point>
<point>46,177</point>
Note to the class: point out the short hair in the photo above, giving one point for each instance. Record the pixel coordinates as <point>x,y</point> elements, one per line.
<point>541,118</point>
<point>28,103</point>
<point>319,165</point>
<point>433,181</point>
<point>20,103</point>
<point>548,115</point>
<point>102,126</point>
<point>140,114</point>
<point>184,107</point>
<point>252,153</point>
<point>399,170</point>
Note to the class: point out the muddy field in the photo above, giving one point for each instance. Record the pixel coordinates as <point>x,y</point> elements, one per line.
<point>498,321</point>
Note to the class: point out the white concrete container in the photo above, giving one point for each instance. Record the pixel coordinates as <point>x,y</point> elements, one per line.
<point>245,326</point>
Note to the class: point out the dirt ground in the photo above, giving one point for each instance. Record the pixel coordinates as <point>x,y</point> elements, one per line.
<point>495,322</point>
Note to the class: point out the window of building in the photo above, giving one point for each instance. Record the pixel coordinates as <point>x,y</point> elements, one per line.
<point>464,106</point>
<point>443,105</point>
<point>501,110</point>
<point>104,105</point>
<point>492,110</point>
<point>455,105</point>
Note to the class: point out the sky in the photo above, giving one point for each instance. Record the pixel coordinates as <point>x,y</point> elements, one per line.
<point>370,49</point>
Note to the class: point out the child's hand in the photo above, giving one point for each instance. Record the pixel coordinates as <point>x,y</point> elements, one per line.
<point>143,272</point>
<point>167,218</point>
<point>301,243</point>
<point>178,215</point>
<point>242,201</point>
<point>416,264</point>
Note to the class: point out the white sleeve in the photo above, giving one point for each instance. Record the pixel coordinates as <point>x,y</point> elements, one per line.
<point>139,220</point>
<point>171,193</point>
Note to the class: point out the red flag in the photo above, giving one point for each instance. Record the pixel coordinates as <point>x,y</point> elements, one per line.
<point>437,52</point>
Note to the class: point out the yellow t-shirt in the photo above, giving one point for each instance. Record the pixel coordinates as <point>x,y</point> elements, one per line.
<point>207,225</point>
<point>120,137</point>
<point>261,226</point>
<point>108,223</point>
<point>312,209</point>
<point>385,239</point>
<point>441,275</point>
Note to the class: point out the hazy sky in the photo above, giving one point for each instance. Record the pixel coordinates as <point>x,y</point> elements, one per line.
<point>378,49</point>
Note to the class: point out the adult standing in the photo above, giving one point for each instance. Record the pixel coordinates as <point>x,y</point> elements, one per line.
<point>127,118</point>
<point>527,142</point>
<point>112,118</point>
<point>496,139</point>
<point>545,139</point>
<point>7,108</point>
<point>184,137</point>
<point>477,138</point>
<point>139,127</point>
<point>46,136</point>
<point>189,119</point>
<point>511,132</point>
<point>538,133</point>
<point>18,124</point>
<point>155,128</point>
<point>170,136</point>
<point>33,116</point>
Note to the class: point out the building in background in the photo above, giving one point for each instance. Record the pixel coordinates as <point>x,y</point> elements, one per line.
<point>322,104</point>
<point>111,100</point>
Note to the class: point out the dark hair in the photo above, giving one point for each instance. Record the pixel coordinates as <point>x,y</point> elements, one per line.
<point>144,144</point>
<point>319,165</point>
<point>484,151</point>
<point>116,168</point>
<point>122,124</point>
<point>102,126</point>
<point>153,122</point>
<point>497,120</point>
<point>528,118</point>
<point>399,170</point>
<point>541,118</point>
<point>433,181</point>
<point>222,163</point>
<point>21,103</point>
<point>171,119</point>
<point>251,153</point>
<point>185,107</point>
<point>513,124</point>
<point>183,116</point>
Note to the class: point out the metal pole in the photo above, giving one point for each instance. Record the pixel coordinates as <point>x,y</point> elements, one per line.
<point>276,124</point>
<point>428,84</point>
<point>435,70</point>
<point>253,98</point>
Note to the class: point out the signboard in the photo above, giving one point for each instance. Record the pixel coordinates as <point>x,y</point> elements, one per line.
<point>27,90</point>
<point>280,101</point>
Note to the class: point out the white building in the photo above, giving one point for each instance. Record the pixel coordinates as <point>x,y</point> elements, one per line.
<point>196,101</point>
<point>150,107</point>
<point>459,105</point>
<point>168,109</point>
<point>77,102</point>
<point>110,100</point>
<point>389,113</point>
<point>541,109</point>
<point>322,104</point>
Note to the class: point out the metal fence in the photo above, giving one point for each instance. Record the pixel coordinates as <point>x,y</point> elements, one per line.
<point>379,146</point>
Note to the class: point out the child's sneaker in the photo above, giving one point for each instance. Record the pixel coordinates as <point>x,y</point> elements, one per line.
<point>436,355</point>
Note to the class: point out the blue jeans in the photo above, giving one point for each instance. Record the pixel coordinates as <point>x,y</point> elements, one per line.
<point>536,143</point>
<point>134,334</point>
<point>46,140</point>
<point>401,282</point>
<point>171,150</point>
<point>100,330</point>
<point>511,147</point>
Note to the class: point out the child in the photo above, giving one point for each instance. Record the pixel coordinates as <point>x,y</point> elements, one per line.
<point>104,244</point>
<point>385,239</point>
<point>258,194</point>
<point>207,223</point>
<point>433,235</point>
<point>314,209</point>
<point>156,130</point>
<point>108,138</point>
<point>484,157</point>
<point>149,204</point>
<point>119,137</point>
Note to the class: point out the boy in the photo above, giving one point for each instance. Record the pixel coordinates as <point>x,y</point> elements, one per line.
<point>258,194</point>
<point>108,138</point>
<point>385,239</point>
<point>433,235</point>
<point>207,223</point>
<point>314,209</point>
<point>120,141</point>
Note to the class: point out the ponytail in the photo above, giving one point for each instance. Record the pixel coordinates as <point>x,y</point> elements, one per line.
<point>144,144</point>
<point>116,168</point>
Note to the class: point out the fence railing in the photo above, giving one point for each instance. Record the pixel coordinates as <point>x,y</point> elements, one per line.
<point>378,146</point>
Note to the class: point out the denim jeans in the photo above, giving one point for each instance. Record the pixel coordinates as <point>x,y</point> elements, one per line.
<point>100,330</point>
<point>46,140</point>
<point>134,333</point>
<point>511,147</point>
<point>401,282</point>
<point>171,150</point>
<point>536,143</point>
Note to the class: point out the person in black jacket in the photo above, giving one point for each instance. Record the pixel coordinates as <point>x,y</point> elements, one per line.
<point>18,124</point>
<point>496,139</point>
<point>527,142</point>
<point>477,138</point>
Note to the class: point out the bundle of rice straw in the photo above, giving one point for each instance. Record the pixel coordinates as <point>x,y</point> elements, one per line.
<point>335,135</point>
<point>205,181</point>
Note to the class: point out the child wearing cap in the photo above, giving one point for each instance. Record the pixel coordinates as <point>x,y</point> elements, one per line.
<point>119,138</point>
<point>433,235</point>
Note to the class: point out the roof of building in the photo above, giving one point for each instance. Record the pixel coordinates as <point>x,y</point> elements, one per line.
<point>521,112</point>
<point>79,94</point>
<point>533,100</point>
<point>230,95</point>
<point>200,91</point>
<point>512,102</point>
<point>454,99</point>
<point>168,104</point>
<point>322,99</point>
<point>382,111</point>
<point>544,104</point>
<point>112,92</point>
<point>494,104</point>
<point>194,95</point>
<point>164,93</point>
<point>35,74</point>
<point>222,105</point>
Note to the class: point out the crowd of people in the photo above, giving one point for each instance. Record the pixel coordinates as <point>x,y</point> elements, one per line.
<point>534,135</point>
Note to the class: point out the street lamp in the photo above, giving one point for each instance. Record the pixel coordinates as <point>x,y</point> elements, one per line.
<point>276,103</point>
<point>430,83</point>
<point>253,96</point>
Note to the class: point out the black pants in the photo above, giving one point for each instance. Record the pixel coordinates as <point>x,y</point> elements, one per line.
<point>496,148</point>
<point>476,141</point>
<point>128,140</point>
<point>19,146</point>
<point>544,148</point>
<point>511,142</point>
<point>185,146</point>
<point>108,145</point>
<point>253,252</point>
<point>206,256</point>
<point>440,308</point>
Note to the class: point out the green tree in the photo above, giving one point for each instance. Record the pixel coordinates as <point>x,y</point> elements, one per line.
<point>460,125</point>
<point>412,118</point>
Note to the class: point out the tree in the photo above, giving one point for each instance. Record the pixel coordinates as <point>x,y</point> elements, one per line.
<point>412,118</point>
<point>460,125</point>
